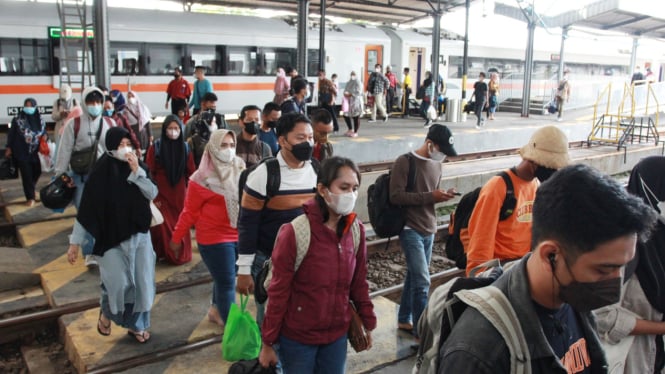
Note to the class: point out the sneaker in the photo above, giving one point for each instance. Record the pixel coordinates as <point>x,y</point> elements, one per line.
<point>428,123</point>
<point>90,261</point>
<point>478,127</point>
<point>354,135</point>
<point>385,119</point>
<point>559,119</point>
<point>371,121</point>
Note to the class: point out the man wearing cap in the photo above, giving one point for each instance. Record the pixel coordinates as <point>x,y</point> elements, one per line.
<point>418,234</point>
<point>201,87</point>
<point>178,92</point>
<point>509,239</point>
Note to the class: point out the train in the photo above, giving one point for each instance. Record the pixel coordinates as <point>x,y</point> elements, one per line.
<point>242,53</point>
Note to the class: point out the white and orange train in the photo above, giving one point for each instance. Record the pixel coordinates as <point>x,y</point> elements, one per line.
<point>241,53</point>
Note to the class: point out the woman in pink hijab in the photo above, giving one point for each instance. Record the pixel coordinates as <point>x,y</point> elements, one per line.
<point>281,87</point>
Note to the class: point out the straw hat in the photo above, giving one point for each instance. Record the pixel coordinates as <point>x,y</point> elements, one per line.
<point>547,147</point>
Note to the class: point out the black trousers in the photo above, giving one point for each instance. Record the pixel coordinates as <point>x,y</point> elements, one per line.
<point>178,104</point>
<point>329,108</point>
<point>30,170</point>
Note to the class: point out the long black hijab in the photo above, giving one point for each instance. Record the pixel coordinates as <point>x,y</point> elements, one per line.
<point>172,153</point>
<point>112,210</point>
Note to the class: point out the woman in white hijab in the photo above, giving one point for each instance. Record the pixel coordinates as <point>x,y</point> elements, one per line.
<point>139,116</point>
<point>212,207</point>
<point>62,107</point>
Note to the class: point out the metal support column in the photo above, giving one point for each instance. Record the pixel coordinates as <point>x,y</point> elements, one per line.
<point>101,50</point>
<point>528,68</point>
<point>436,43</point>
<point>564,36</point>
<point>303,14</point>
<point>633,54</point>
<point>465,59</point>
<point>322,36</point>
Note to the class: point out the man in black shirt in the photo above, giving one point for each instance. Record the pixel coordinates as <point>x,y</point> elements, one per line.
<point>480,90</point>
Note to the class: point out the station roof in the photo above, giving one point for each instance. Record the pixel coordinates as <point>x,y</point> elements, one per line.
<point>631,17</point>
<point>382,11</point>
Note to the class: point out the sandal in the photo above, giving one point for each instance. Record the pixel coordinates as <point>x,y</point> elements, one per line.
<point>141,336</point>
<point>405,326</point>
<point>106,328</point>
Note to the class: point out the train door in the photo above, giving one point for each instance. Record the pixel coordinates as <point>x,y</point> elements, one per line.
<point>373,56</point>
<point>416,65</point>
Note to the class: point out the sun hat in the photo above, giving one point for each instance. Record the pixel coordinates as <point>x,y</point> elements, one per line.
<point>547,147</point>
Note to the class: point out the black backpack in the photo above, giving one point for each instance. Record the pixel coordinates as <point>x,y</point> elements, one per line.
<point>274,177</point>
<point>420,94</point>
<point>387,219</point>
<point>459,220</point>
<point>371,83</point>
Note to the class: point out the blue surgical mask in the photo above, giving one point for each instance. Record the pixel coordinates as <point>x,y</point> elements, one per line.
<point>29,110</point>
<point>94,110</point>
<point>108,112</point>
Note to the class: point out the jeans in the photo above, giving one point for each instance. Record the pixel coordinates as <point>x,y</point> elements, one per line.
<point>418,252</point>
<point>89,241</point>
<point>480,105</point>
<point>299,358</point>
<point>259,259</point>
<point>220,259</point>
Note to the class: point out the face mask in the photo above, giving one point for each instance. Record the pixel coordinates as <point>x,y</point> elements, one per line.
<point>377,70</point>
<point>29,110</point>
<point>302,151</point>
<point>173,134</point>
<point>353,77</point>
<point>272,124</point>
<point>176,76</point>
<point>436,155</point>
<point>251,128</point>
<point>342,203</point>
<point>543,173</point>
<point>132,100</point>
<point>121,153</point>
<point>94,110</point>
<point>114,98</point>
<point>224,154</point>
<point>587,296</point>
<point>108,112</point>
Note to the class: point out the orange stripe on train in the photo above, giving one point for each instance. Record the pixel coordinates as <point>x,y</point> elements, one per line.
<point>13,89</point>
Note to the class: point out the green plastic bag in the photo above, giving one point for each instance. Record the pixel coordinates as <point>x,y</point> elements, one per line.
<point>242,339</point>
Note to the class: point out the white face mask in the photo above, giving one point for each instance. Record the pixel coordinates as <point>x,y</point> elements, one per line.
<point>342,203</point>
<point>121,153</point>
<point>173,134</point>
<point>377,70</point>
<point>436,155</point>
<point>132,100</point>
<point>225,154</point>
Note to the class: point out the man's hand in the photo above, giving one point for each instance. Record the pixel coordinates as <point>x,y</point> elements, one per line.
<point>441,195</point>
<point>245,284</point>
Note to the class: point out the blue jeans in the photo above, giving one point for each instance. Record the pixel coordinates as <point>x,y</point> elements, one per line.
<point>418,252</point>
<point>89,241</point>
<point>220,259</point>
<point>257,265</point>
<point>317,359</point>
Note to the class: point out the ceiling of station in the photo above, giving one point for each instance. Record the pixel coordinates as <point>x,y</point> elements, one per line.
<point>381,11</point>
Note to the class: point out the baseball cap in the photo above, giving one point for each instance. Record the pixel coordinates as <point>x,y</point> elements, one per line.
<point>443,138</point>
<point>547,147</point>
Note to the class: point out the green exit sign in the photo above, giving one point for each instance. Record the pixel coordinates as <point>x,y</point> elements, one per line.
<point>71,33</point>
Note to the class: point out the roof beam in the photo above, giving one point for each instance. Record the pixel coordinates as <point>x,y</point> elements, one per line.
<point>626,22</point>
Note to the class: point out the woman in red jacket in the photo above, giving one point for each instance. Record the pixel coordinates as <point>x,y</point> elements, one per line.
<point>212,207</point>
<point>308,313</point>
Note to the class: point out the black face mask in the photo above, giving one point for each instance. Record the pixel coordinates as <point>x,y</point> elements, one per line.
<point>587,296</point>
<point>176,76</point>
<point>302,151</point>
<point>251,128</point>
<point>272,124</point>
<point>543,173</point>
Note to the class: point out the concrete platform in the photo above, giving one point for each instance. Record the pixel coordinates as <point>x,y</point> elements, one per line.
<point>178,318</point>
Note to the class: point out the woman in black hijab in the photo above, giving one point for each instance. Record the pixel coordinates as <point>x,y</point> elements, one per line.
<point>115,210</point>
<point>171,164</point>
<point>640,313</point>
<point>23,144</point>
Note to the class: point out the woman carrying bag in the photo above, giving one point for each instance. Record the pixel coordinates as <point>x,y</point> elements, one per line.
<point>308,311</point>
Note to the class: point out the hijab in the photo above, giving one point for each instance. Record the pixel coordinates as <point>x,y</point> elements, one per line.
<point>172,153</point>
<point>281,84</point>
<point>647,180</point>
<point>221,177</point>
<point>353,86</point>
<point>119,101</point>
<point>138,111</point>
<point>31,126</point>
<point>113,210</point>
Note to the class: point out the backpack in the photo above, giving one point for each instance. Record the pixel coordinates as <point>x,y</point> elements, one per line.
<point>458,228</point>
<point>420,94</point>
<point>274,177</point>
<point>386,218</point>
<point>446,305</point>
<point>303,236</point>
<point>371,84</point>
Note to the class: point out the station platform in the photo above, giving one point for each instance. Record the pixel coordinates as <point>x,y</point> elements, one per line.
<point>179,316</point>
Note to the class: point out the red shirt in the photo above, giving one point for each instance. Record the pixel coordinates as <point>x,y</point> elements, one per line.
<point>206,211</point>
<point>179,89</point>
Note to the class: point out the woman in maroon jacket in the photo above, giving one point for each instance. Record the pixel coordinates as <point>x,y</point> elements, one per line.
<point>308,313</point>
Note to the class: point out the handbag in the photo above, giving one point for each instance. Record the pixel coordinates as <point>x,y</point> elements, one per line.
<point>242,339</point>
<point>43,145</point>
<point>250,367</point>
<point>157,217</point>
<point>81,161</point>
<point>8,169</point>
<point>356,333</point>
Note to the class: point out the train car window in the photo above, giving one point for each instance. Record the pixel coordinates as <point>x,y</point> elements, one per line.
<point>24,56</point>
<point>274,58</point>
<point>125,57</point>
<point>10,56</point>
<point>242,61</point>
<point>312,62</point>
<point>163,58</point>
<point>203,55</point>
<point>74,62</point>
